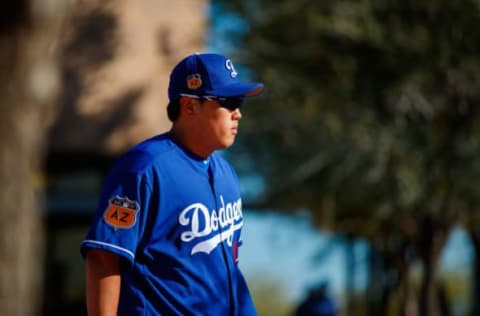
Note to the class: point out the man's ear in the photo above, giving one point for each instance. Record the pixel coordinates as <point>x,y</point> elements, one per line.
<point>188,105</point>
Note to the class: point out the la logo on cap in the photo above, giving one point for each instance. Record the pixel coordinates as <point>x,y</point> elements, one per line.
<point>231,68</point>
<point>194,81</point>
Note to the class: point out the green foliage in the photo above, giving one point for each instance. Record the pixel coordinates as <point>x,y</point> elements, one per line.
<point>370,117</point>
<point>269,296</point>
<point>457,288</point>
<point>370,106</point>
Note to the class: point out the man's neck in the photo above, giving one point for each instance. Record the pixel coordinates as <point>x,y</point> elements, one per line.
<point>187,139</point>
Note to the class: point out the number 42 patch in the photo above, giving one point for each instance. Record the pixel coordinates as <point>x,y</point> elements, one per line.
<point>121,212</point>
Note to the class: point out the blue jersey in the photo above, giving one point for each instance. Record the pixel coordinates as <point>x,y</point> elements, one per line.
<point>175,220</point>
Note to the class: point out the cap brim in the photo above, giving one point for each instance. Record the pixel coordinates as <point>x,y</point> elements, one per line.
<point>243,89</point>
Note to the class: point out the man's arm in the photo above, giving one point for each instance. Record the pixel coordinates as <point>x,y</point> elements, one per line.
<point>103,283</point>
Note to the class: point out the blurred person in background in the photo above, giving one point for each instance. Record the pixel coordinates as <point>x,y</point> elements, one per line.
<point>165,237</point>
<point>317,303</point>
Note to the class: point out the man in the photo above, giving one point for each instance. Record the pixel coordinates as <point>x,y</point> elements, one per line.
<point>166,234</point>
<point>317,303</point>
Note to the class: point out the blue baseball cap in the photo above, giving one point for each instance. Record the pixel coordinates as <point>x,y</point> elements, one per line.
<point>200,75</point>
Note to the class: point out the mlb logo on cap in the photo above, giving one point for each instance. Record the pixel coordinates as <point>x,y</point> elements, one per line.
<point>209,75</point>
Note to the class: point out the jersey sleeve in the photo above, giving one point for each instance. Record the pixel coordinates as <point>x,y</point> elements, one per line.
<point>119,220</point>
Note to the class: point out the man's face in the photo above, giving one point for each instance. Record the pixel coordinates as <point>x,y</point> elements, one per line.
<point>219,125</point>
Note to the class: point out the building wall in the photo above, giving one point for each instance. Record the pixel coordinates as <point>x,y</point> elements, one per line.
<point>117,56</point>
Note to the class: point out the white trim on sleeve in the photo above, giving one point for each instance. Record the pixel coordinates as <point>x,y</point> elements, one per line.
<point>131,254</point>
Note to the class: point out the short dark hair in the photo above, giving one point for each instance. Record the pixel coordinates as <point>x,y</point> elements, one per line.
<point>173,110</point>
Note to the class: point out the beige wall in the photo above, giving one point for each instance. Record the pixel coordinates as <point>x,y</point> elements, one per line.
<point>151,36</point>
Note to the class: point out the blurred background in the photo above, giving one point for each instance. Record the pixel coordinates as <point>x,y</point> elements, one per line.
<point>358,164</point>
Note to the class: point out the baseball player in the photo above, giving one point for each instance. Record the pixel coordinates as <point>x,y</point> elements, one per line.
<point>165,237</point>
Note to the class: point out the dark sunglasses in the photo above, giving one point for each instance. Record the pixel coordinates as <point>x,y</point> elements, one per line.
<point>232,103</point>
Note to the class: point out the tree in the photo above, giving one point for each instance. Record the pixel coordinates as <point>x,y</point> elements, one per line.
<point>370,113</point>
<point>28,34</point>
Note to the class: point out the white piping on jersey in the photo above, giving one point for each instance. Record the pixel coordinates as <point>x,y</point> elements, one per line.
<point>131,254</point>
